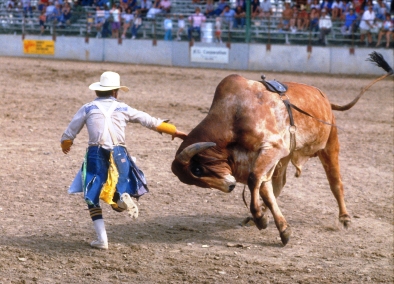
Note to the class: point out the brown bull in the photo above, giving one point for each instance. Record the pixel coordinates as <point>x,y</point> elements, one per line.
<point>246,138</point>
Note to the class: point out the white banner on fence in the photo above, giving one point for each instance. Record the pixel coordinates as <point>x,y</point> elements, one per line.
<point>209,54</point>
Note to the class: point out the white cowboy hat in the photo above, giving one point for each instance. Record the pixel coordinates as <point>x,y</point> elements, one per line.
<point>108,81</point>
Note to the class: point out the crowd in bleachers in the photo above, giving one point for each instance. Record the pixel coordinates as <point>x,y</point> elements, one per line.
<point>367,21</point>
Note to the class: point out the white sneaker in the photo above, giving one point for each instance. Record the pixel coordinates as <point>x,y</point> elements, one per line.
<point>129,205</point>
<point>133,37</point>
<point>99,244</point>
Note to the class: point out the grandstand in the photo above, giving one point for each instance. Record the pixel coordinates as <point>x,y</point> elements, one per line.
<point>265,31</point>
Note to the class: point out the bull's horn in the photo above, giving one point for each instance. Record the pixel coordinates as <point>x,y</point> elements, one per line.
<point>191,150</point>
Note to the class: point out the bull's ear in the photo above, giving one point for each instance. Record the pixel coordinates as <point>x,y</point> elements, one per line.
<point>190,151</point>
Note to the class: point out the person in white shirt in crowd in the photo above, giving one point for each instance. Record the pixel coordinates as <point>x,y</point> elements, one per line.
<point>154,10</point>
<point>367,24</point>
<point>325,25</point>
<point>266,9</point>
<point>116,19</point>
<point>181,27</point>
<point>127,19</point>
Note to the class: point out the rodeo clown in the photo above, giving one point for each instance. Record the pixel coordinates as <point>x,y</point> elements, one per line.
<point>106,119</point>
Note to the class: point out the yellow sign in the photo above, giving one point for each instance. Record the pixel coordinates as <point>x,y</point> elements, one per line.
<point>39,47</point>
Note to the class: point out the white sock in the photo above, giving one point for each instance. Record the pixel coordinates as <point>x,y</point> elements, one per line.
<point>100,230</point>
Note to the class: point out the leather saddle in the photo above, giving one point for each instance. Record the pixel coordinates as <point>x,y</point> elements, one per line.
<point>274,86</point>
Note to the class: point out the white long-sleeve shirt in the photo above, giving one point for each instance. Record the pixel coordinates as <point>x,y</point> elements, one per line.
<point>90,115</point>
<point>325,22</point>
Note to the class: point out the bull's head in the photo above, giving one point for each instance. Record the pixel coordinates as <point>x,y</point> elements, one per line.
<point>200,164</point>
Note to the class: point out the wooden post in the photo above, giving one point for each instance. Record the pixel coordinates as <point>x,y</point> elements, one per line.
<point>154,42</point>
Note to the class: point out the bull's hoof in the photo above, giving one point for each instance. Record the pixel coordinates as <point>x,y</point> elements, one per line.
<point>345,220</point>
<point>262,222</point>
<point>285,235</point>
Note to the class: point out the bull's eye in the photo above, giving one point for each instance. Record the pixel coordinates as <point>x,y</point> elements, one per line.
<point>196,170</point>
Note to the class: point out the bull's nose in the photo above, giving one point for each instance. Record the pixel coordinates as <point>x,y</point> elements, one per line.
<point>231,187</point>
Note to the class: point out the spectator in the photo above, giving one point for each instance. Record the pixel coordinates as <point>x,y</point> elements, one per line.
<point>42,4</point>
<point>165,6</point>
<point>77,11</point>
<point>106,30</point>
<point>86,2</point>
<point>52,12</point>
<point>293,20</point>
<point>287,13</point>
<point>27,9</point>
<point>195,20</point>
<point>145,6</point>
<point>239,17</point>
<point>218,29</point>
<point>124,4</point>
<point>137,23</point>
<point>115,25</point>
<point>181,27</point>
<point>349,25</point>
<point>266,9</point>
<point>336,10</point>
<point>99,20</point>
<point>386,30</point>
<point>42,19</point>
<point>220,7</point>
<point>358,6</point>
<point>367,24</point>
<point>255,9</point>
<point>127,20</point>
<point>10,5</point>
<point>90,22</point>
<point>241,3</point>
<point>209,9</point>
<point>168,28</point>
<point>303,19</point>
<point>325,26</point>
<point>66,15</point>
<point>326,4</point>
<point>315,4</point>
<point>155,9</point>
<point>314,20</point>
<point>132,4</point>
<point>228,16</point>
<point>380,9</point>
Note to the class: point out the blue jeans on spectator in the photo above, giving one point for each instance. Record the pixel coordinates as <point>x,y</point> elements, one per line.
<point>27,10</point>
<point>168,35</point>
<point>134,30</point>
<point>191,30</point>
<point>239,23</point>
<point>106,30</point>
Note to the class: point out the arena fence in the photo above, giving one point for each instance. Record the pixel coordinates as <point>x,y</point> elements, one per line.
<point>234,56</point>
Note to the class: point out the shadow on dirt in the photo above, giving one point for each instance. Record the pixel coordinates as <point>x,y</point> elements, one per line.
<point>171,230</point>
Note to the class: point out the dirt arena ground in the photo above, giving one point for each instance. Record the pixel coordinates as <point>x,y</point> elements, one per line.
<point>184,234</point>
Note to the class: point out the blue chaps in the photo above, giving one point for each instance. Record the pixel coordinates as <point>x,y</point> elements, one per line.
<point>97,164</point>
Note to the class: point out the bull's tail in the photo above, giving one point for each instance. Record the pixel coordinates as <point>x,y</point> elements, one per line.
<point>378,59</point>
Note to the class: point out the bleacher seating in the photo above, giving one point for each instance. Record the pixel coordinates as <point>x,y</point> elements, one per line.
<point>261,31</point>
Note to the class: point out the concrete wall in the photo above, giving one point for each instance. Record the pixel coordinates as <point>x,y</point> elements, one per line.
<point>293,58</point>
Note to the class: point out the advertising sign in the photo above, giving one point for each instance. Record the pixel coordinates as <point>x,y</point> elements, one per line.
<point>209,54</point>
<point>46,47</point>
